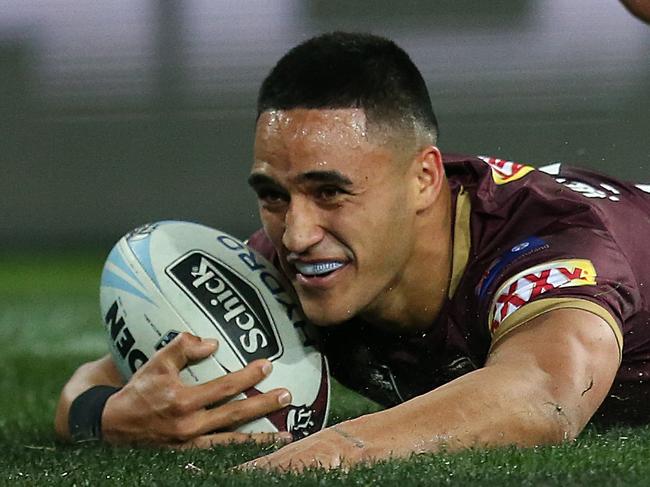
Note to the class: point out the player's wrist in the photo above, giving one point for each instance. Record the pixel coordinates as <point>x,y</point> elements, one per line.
<point>86,411</point>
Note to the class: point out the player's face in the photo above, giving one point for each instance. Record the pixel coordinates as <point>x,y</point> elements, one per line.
<point>337,207</point>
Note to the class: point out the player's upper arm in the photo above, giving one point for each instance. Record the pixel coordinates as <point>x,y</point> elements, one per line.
<point>571,355</point>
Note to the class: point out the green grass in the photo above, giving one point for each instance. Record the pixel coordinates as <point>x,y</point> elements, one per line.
<point>49,324</point>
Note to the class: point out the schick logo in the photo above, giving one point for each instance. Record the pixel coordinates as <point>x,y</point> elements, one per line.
<point>231,303</point>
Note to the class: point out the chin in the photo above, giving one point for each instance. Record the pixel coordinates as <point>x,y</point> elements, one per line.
<point>329,307</point>
<point>323,316</point>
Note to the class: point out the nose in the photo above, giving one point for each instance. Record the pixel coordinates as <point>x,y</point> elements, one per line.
<point>301,227</point>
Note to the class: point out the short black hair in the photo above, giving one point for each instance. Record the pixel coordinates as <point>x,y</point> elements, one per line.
<point>350,70</point>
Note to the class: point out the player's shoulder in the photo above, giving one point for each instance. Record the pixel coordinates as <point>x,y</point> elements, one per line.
<point>543,238</point>
<point>499,177</point>
<point>478,167</point>
<point>522,278</point>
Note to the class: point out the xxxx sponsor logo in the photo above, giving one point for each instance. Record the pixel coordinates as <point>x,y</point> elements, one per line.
<point>529,284</point>
<point>505,171</point>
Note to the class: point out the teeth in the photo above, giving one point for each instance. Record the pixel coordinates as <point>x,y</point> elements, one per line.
<point>317,268</point>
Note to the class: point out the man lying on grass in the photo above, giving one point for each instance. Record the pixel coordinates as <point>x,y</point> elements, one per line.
<point>483,302</point>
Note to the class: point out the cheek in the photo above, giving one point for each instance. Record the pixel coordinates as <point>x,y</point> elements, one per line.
<point>273,225</point>
<point>389,230</point>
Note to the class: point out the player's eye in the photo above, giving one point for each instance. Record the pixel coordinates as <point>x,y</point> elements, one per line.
<point>272,197</point>
<point>329,193</point>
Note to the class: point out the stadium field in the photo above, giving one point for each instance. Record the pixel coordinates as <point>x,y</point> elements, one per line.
<point>49,323</point>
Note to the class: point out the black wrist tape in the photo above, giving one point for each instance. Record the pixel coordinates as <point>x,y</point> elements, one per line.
<point>85,416</point>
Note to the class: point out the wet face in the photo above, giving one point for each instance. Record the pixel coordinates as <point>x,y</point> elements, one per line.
<point>337,205</point>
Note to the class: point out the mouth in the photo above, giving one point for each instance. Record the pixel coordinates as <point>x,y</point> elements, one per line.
<point>318,268</point>
<point>318,274</point>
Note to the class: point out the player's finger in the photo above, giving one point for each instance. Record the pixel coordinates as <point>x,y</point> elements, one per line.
<point>186,348</point>
<point>235,413</point>
<point>229,385</point>
<point>227,438</point>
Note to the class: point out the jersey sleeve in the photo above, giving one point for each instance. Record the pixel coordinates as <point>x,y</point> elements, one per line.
<point>577,268</point>
<point>261,243</point>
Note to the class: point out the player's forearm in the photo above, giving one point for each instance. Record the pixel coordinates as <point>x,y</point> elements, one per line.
<point>484,408</point>
<point>525,395</point>
<point>99,372</point>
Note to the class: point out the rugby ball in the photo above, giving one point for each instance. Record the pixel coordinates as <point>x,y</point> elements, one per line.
<point>170,277</point>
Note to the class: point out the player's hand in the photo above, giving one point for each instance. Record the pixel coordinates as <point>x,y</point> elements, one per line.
<point>331,448</point>
<point>156,408</point>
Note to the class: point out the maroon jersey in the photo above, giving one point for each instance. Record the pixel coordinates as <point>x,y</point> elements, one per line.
<point>526,241</point>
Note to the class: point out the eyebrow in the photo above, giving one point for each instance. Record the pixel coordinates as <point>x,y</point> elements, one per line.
<point>330,177</point>
<point>256,180</point>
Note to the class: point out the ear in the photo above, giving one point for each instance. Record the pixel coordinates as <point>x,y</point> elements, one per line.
<point>430,174</point>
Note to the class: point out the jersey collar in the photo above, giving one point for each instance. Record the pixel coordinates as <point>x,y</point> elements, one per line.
<point>461,245</point>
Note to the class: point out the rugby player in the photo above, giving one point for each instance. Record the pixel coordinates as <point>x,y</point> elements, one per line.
<point>482,301</point>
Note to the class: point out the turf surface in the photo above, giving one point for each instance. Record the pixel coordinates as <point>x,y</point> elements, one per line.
<point>49,324</point>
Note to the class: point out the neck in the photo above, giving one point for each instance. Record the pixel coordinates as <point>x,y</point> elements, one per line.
<point>412,302</point>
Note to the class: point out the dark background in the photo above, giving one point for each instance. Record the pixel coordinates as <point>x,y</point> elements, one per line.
<point>117,113</point>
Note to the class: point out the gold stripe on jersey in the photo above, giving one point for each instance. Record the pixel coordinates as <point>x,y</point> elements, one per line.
<point>537,308</point>
<point>506,171</point>
<point>460,252</point>
<point>500,178</point>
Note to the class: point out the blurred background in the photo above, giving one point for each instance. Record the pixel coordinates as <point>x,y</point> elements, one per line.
<point>117,113</point>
